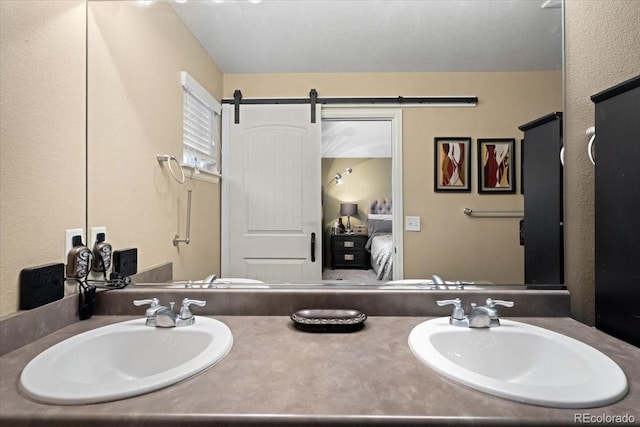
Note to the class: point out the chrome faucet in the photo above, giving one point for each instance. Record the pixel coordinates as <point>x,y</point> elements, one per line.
<point>161,316</point>
<point>485,316</point>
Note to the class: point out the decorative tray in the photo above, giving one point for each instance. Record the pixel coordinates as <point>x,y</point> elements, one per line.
<point>329,320</point>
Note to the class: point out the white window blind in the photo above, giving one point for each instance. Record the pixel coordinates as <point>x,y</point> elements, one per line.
<point>199,130</point>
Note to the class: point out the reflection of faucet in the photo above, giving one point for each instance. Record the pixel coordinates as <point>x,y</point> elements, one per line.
<point>485,316</point>
<point>438,280</point>
<point>207,283</point>
<point>164,317</point>
<point>210,280</point>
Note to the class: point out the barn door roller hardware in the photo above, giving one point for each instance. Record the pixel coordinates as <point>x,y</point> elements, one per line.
<point>313,100</point>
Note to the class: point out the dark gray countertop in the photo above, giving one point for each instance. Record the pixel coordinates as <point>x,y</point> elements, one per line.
<point>277,375</point>
<point>23,327</point>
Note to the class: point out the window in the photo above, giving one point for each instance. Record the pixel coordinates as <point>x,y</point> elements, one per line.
<point>199,130</point>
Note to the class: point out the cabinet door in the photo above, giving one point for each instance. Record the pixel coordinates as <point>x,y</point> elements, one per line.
<point>617,208</point>
<point>542,180</point>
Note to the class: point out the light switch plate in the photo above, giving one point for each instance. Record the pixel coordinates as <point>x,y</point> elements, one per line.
<point>412,223</point>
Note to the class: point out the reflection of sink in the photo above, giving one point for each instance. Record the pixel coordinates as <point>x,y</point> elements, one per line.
<point>520,362</point>
<point>426,284</point>
<point>235,283</point>
<point>123,360</point>
<point>430,286</point>
<point>222,283</point>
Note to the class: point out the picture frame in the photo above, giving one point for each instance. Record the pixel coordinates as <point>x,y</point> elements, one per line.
<point>452,164</point>
<point>496,165</point>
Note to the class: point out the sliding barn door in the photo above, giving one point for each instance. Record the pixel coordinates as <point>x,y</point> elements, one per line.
<point>271,193</point>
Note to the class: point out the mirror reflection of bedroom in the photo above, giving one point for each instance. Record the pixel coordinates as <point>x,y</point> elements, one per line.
<point>357,205</point>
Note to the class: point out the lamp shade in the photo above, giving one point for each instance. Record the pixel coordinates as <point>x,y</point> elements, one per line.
<point>348,208</point>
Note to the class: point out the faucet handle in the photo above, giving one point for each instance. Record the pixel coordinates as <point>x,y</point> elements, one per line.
<point>185,312</point>
<point>154,302</point>
<point>187,302</point>
<point>493,302</point>
<point>458,311</point>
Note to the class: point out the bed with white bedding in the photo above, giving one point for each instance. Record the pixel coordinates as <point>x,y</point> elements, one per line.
<point>380,242</point>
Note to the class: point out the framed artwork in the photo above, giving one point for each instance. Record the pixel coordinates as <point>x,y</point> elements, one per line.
<point>496,166</point>
<point>452,164</point>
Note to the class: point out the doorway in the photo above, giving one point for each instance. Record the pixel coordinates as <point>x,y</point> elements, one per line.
<point>361,165</point>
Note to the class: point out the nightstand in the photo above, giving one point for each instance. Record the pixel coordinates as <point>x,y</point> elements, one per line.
<point>347,251</point>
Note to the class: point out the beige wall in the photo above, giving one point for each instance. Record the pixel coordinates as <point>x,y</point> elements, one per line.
<point>42,141</point>
<point>43,151</point>
<point>370,180</point>
<point>450,244</point>
<point>135,112</point>
<point>598,56</point>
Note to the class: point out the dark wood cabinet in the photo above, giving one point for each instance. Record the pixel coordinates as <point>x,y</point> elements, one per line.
<point>617,210</point>
<point>347,251</point>
<point>542,181</point>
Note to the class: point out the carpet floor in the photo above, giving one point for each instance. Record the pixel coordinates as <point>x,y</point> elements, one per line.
<point>349,275</point>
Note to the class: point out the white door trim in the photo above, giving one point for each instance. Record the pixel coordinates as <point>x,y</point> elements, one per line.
<point>395,116</point>
<point>227,113</point>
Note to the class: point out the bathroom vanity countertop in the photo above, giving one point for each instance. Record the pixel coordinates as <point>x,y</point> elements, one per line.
<point>277,375</point>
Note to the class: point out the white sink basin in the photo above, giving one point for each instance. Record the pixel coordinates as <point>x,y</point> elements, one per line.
<point>520,362</point>
<point>123,360</point>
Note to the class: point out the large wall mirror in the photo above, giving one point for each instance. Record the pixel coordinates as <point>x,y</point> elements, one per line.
<point>507,53</point>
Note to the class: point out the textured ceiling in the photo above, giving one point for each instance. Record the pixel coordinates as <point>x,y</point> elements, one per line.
<point>356,138</point>
<point>376,35</point>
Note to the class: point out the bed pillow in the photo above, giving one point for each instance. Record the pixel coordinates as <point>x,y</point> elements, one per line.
<point>379,226</point>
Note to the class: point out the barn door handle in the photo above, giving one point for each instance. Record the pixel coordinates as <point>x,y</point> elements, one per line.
<point>313,247</point>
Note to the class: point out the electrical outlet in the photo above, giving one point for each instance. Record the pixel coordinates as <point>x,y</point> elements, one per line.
<point>94,235</point>
<point>69,240</point>
<point>412,223</point>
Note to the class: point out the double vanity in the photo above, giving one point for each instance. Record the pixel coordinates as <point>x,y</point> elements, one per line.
<point>414,363</point>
